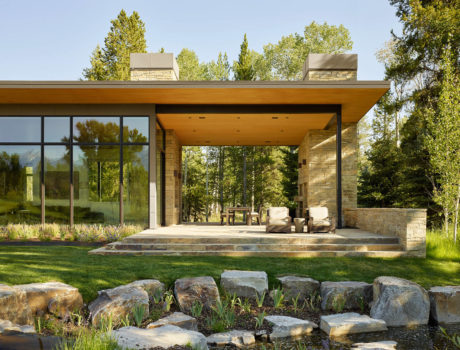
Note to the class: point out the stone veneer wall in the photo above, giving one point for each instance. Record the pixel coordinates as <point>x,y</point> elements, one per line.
<point>173,183</point>
<point>407,224</point>
<point>326,75</point>
<point>153,74</point>
<point>317,168</point>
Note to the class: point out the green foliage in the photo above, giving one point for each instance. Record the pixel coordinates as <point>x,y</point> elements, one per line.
<point>196,309</point>
<point>243,68</point>
<point>290,172</point>
<point>260,319</point>
<point>278,298</point>
<point>295,302</point>
<point>245,305</point>
<point>260,299</point>
<point>138,314</point>
<point>190,67</point>
<point>220,69</point>
<point>89,339</point>
<point>284,60</point>
<point>225,314</point>
<point>338,303</point>
<point>126,36</point>
<point>441,247</point>
<point>454,339</point>
<point>168,301</point>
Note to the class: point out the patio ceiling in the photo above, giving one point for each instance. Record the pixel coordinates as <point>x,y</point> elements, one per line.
<point>356,98</point>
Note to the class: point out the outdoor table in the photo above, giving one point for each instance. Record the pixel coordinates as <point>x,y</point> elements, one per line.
<point>243,209</point>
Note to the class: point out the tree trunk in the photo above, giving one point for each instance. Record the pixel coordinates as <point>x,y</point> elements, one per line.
<point>456,214</point>
<point>221,176</point>
<point>446,221</point>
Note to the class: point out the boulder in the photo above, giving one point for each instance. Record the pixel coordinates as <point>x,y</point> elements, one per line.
<point>245,284</point>
<point>176,319</point>
<point>350,323</point>
<point>289,327</point>
<point>302,286</point>
<point>117,303</point>
<point>150,286</point>
<point>353,295</point>
<point>378,345</point>
<point>8,326</point>
<point>201,289</point>
<point>400,302</point>
<point>13,305</point>
<point>56,297</point>
<point>239,339</point>
<point>162,337</point>
<point>445,304</point>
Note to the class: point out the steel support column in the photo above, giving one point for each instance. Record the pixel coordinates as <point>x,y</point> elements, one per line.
<point>339,165</point>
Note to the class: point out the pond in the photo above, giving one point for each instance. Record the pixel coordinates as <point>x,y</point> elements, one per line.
<point>419,338</point>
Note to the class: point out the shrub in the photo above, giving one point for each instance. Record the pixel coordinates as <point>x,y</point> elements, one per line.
<point>90,340</point>
<point>49,232</point>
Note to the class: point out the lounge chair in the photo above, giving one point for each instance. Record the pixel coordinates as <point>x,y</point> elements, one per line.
<point>318,220</point>
<point>223,217</point>
<point>257,215</point>
<point>278,220</point>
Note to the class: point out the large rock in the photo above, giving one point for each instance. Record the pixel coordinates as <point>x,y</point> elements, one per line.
<point>289,327</point>
<point>445,304</point>
<point>400,302</point>
<point>350,323</point>
<point>201,289</point>
<point>245,284</point>
<point>163,337</point>
<point>302,286</point>
<point>8,326</point>
<point>152,287</point>
<point>13,305</point>
<point>176,319</point>
<point>378,345</point>
<point>353,295</point>
<point>117,303</point>
<point>56,297</point>
<point>239,339</point>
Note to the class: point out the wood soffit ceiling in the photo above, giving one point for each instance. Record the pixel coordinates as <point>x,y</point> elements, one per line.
<point>356,98</point>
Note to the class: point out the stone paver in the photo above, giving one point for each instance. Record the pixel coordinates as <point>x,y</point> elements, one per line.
<point>238,338</point>
<point>178,319</point>
<point>289,327</point>
<point>379,345</point>
<point>6,326</point>
<point>164,337</point>
<point>350,323</point>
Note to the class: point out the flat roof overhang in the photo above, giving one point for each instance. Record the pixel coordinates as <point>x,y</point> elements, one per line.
<point>254,128</point>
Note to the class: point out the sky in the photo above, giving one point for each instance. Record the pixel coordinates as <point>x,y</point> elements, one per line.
<point>53,39</point>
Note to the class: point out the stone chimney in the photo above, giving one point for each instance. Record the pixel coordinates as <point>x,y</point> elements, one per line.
<point>153,66</point>
<point>327,67</point>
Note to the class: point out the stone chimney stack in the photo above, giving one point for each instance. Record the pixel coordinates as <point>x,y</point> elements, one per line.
<point>327,67</point>
<point>153,66</point>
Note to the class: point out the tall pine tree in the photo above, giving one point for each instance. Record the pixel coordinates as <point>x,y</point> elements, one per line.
<point>126,36</point>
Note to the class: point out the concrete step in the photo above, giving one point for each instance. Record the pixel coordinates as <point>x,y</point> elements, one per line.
<point>252,247</point>
<point>297,254</point>
<point>261,240</point>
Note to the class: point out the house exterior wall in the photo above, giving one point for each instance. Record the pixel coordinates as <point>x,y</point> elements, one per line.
<point>173,183</point>
<point>153,74</point>
<point>409,225</point>
<point>317,168</point>
<point>327,75</point>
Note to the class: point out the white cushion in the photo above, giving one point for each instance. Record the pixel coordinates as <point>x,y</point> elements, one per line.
<point>318,213</point>
<point>278,212</point>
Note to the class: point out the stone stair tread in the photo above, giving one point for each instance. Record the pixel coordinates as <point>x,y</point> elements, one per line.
<point>389,254</point>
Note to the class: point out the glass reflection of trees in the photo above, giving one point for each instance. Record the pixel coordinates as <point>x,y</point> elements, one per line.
<point>97,143</point>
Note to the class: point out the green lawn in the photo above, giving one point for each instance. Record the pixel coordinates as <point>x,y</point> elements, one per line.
<point>90,273</point>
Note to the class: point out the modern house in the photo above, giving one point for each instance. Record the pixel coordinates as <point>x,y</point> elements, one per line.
<point>110,152</point>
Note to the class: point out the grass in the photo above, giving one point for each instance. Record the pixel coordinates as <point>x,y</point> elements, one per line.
<point>90,273</point>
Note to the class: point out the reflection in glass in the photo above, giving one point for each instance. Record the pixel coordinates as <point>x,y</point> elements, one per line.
<point>57,184</point>
<point>19,184</point>
<point>135,129</point>
<point>159,186</point>
<point>98,173</point>
<point>135,184</point>
<point>20,129</point>
<point>57,129</point>
<point>96,129</point>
